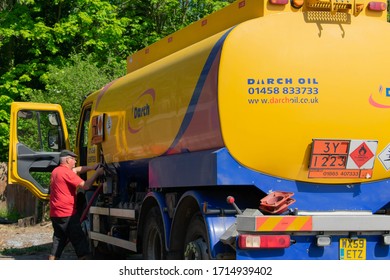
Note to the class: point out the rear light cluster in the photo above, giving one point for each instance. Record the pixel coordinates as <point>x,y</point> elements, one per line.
<point>279,2</point>
<point>377,6</point>
<point>249,241</point>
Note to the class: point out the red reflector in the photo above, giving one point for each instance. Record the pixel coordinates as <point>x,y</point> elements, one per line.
<point>248,241</point>
<point>279,2</point>
<point>377,6</point>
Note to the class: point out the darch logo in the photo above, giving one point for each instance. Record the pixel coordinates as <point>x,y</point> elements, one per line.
<point>140,109</point>
<point>381,100</point>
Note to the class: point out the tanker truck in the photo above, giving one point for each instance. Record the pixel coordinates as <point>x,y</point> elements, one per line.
<point>258,132</point>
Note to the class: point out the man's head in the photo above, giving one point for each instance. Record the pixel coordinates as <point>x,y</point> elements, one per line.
<point>68,157</point>
<point>67,153</point>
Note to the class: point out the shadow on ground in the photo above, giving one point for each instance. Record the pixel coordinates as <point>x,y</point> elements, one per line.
<point>40,252</point>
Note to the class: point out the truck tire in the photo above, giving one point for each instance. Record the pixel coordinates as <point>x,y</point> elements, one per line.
<point>196,241</point>
<point>153,243</point>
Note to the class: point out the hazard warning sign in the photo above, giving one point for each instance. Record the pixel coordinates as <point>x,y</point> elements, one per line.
<point>333,158</point>
<point>384,157</point>
<point>362,154</point>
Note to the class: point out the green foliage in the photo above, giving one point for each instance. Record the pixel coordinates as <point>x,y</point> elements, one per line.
<point>11,216</point>
<point>25,251</point>
<point>388,11</point>
<point>68,85</point>
<point>37,34</point>
<point>152,20</point>
<point>43,43</point>
<point>5,102</point>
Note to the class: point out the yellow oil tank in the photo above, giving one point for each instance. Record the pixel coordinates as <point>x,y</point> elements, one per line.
<point>295,90</point>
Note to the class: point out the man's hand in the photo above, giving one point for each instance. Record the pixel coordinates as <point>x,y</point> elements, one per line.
<point>96,166</point>
<point>99,171</point>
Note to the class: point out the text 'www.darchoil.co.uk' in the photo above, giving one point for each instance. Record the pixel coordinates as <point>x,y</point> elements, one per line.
<point>284,100</point>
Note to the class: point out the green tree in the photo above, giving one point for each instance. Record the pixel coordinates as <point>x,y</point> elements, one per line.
<point>36,34</point>
<point>388,11</point>
<point>151,20</point>
<point>39,37</point>
<point>5,103</point>
<point>68,85</point>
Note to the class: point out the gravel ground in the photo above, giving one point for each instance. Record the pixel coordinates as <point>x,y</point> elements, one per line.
<point>28,243</point>
<point>34,243</point>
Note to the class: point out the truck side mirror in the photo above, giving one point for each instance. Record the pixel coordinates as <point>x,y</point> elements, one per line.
<point>53,139</point>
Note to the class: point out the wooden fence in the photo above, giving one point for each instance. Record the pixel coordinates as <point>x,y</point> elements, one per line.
<point>16,198</point>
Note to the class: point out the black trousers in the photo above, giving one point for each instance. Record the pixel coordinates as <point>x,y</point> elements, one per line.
<point>69,229</point>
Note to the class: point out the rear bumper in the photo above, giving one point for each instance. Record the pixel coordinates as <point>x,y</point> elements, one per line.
<point>369,232</point>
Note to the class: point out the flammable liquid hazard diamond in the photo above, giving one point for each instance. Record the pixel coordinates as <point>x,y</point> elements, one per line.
<point>361,155</point>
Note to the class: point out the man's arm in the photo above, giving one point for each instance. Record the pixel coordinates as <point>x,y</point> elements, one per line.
<point>84,169</point>
<point>85,185</point>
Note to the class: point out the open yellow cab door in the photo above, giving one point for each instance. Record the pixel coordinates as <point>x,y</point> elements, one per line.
<point>37,135</point>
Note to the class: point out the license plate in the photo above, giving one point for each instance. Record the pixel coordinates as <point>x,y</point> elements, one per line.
<point>353,249</point>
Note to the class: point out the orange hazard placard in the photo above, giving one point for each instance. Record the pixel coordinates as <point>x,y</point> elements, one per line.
<point>342,158</point>
<point>328,161</point>
<point>330,147</point>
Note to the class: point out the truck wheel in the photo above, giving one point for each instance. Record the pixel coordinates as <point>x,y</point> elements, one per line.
<point>196,242</point>
<point>153,244</point>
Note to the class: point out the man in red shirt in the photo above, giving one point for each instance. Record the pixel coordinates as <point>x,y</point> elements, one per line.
<point>64,183</point>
